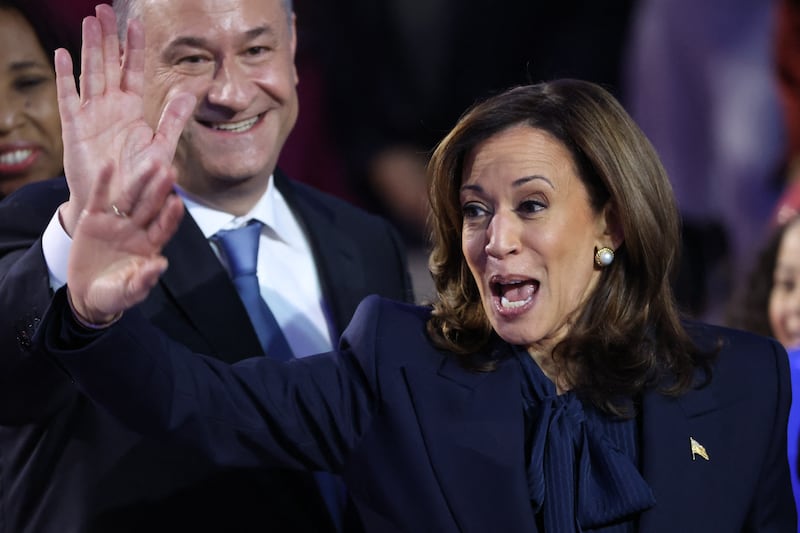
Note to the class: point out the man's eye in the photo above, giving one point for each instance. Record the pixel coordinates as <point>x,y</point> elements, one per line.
<point>257,50</point>
<point>192,60</point>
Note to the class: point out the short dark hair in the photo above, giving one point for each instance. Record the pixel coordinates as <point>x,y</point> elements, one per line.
<point>126,9</point>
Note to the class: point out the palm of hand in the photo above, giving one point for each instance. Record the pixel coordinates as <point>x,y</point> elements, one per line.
<point>104,131</point>
<point>105,123</point>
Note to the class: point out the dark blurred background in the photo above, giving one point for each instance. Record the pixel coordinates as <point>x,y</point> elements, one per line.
<point>710,83</point>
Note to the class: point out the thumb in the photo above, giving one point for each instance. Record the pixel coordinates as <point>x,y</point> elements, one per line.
<point>173,119</point>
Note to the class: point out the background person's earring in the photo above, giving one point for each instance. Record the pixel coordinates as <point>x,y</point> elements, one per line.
<point>604,257</point>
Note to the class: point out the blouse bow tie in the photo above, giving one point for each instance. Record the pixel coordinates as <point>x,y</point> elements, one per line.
<point>577,477</point>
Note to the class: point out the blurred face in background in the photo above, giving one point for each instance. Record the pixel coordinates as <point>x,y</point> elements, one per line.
<point>784,300</point>
<point>30,128</point>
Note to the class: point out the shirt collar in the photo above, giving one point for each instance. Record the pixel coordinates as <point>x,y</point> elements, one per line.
<point>271,209</point>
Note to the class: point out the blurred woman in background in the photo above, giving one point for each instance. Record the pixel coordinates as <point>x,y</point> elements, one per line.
<point>30,128</point>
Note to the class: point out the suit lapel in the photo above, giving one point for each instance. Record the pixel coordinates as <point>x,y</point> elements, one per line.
<point>472,425</point>
<point>199,286</point>
<point>341,273</point>
<point>678,481</point>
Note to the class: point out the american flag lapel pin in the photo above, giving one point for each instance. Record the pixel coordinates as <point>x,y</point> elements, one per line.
<point>698,449</point>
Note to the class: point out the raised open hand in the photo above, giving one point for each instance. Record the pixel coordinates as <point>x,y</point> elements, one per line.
<point>115,258</point>
<point>104,128</point>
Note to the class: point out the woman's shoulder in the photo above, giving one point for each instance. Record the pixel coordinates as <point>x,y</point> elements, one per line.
<point>389,323</point>
<point>730,341</point>
<point>745,361</point>
<point>385,312</point>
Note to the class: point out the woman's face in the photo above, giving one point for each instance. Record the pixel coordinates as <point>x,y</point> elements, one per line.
<point>529,235</point>
<point>784,300</point>
<point>30,128</point>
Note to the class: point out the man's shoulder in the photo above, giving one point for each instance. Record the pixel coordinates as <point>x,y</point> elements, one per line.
<point>28,210</point>
<point>306,197</point>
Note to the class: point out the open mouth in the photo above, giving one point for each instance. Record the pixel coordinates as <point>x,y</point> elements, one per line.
<point>233,127</point>
<point>514,294</point>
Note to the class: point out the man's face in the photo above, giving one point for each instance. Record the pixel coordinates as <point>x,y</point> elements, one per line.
<point>237,58</point>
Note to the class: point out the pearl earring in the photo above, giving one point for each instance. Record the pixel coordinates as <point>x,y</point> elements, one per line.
<point>604,257</point>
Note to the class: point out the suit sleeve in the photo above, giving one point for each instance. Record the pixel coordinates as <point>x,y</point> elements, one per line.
<point>305,414</point>
<point>773,509</point>
<point>31,387</point>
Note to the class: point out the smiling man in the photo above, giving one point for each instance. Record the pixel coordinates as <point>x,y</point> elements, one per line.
<point>217,79</point>
<point>237,58</point>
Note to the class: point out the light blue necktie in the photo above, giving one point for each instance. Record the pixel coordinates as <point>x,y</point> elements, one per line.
<point>239,247</point>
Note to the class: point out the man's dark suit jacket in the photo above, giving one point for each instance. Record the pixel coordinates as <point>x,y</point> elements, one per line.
<point>67,466</point>
<point>425,445</point>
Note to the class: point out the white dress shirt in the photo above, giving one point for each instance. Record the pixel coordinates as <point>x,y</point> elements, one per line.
<point>287,273</point>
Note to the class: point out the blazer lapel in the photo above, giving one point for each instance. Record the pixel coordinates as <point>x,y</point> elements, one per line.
<point>678,479</point>
<point>341,273</point>
<point>472,425</point>
<point>199,286</point>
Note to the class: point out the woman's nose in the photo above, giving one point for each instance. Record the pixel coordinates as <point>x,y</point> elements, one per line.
<point>503,233</point>
<point>11,116</point>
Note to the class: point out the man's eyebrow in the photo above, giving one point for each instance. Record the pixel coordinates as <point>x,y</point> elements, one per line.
<point>194,42</point>
<point>201,42</point>
<point>258,31</point>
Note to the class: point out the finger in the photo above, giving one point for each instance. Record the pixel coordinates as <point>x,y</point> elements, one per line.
<point>66,91</point>
<point>172,121</point>
<point>135,184</point>
<point>153,196</point>
<point>101,190</point>
<point>92,75</point>
<point>110,43</point>
<point>164,227</point>
<point>143,278</point>
<point>133,59</point>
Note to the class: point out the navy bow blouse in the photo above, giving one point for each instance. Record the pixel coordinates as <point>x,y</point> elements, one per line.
<point>581,463</point>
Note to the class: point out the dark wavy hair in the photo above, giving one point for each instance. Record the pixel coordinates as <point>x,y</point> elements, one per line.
<point>749,309</point>
<point>629,334</point>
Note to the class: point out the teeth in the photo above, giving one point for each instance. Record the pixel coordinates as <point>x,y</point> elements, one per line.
<point>508,304</point>
<point>236,127</point>
<point>15,157</point>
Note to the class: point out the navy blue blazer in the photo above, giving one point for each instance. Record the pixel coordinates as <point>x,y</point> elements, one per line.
<point>425,445</point>
<point>66,466</point>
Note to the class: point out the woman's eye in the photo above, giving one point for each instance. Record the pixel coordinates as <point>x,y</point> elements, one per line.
<point>31,82</point>
<point>472,210</point>
<point>530,206</point>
